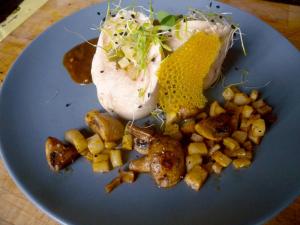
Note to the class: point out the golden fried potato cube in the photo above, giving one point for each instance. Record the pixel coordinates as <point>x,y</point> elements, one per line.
<point>192,160</point>
<point>217,168</point>
<point>188,126</point>
<point>89,156</point>
<point>197,148</point>
<point>171,118</point>
<point>241,99</point>
<point>204,131</point>
<point>95,144</point>
<point>230,143</point>
<point>258,104</point>
<point>239,136</point>
<point>248,155</point>
<point>264,109</point>
<point>221,158</point>
<point>254,95</point>
<point>245,125</point>
<point>247,111</point>
<point>110,144</point>
<point>127,142</point>
<point>116,158</point>
<point>196,138</point>
<point>74,137</point>
<point>101,167</point>
<point>215,109</point>
<point>241,163</point>
<point>258,127</point>
<point>196,177</point>
<point>255,139</point>
<point>100,157</point>
<point>213,149</point>
<point>127,176</point>
<point>228,94</point>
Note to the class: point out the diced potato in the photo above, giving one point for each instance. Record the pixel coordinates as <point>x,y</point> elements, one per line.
<point>245,125</point>
<point>77,139</point>
<point>196,138</point>
<point>205,132</point>
<point>215,109</point>
<point>239,136</point>
<point>196,177</point>
<point>89,156</point>
<point>258,104</point>
<point>101,167</point>
<point>95,144</point>
<point>188,126</point>
<point>116,158</point>
<point>241,163</point>
<point>248,146</point>
<point>264,110</point>
<point>127,142</point>
<point>171,118</point>
<point>228,94</point>
<point>192,160</point>
<point>217,168</point>
<point>229,153</point>
<point>254,95</point>
<point>110,144</point>
<point>247,111</point>
<point>231,106</point>
<point>185,113</point>
<point>258,127</point>
<point>248,155</point>
<point>113,184</point>
<point>230,143</point>
<point>221,158</point>
<point>197,148</point>
<point>173,131</point>
<point>100,157</point>
<point>241,99</point>
<point>254,139</point>
<point>236,153</point>
<point>127,176</point>
<point>202,116</point>
<point>106,151</point>
<point>214,148</point>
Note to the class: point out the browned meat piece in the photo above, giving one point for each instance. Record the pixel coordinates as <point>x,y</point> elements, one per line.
<point>58,154</point>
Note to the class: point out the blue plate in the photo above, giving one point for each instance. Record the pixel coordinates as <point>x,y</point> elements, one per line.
<point>33,106</point>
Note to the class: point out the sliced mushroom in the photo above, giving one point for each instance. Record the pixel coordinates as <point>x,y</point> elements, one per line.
<point>145,134</point>
<point>58,154</point>
<point>108,127</point>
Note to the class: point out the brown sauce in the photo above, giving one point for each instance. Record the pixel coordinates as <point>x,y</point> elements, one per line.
<point>78,62</point>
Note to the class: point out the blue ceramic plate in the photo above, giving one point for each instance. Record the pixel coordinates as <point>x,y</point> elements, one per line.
<point>33,106</point>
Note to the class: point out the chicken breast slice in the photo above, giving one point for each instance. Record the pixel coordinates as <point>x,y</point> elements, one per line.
<point>119,94</point>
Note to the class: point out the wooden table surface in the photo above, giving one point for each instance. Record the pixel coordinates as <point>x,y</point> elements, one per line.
<point>15,208</point>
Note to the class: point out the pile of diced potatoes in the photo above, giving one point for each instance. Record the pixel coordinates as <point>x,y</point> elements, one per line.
<point>206,155</point>
<point>103,155</point>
